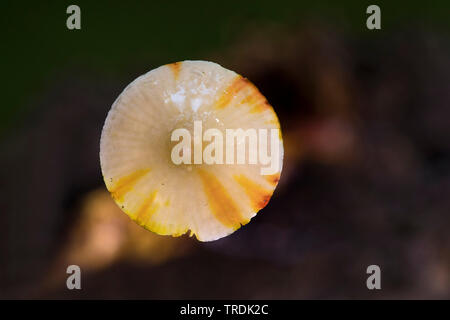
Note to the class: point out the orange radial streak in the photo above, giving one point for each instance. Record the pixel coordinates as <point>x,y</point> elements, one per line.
<point>147,209</point>
<point>260,106</point>
<point>220,202</point>
<point>258,195</point>
<point>238,84</point>
<point>175,68</point>
<point>273,179</point>
<point>255,99</point>
<point>126,184</point>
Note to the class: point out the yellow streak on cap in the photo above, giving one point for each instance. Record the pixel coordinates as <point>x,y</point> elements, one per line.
<point>220,202</point>
<point>175,68</point>
<point>258,195</point>
<point>147,209</point>
<point>126,184</point>
<point>273,178</point>
<point>255,99</point>
<point>238,84</point>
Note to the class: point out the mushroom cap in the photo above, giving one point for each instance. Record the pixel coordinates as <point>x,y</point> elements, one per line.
<point>209,200</point>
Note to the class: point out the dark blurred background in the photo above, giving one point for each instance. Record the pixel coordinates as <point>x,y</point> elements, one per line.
<point>366,123</point>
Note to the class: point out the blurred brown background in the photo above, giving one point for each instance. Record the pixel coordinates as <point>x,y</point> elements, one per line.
<point>366,123</point>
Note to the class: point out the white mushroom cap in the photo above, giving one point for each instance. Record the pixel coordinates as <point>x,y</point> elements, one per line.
<point>210,200</point>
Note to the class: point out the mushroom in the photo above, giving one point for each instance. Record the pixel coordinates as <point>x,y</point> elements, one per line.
<point>191,146</point>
